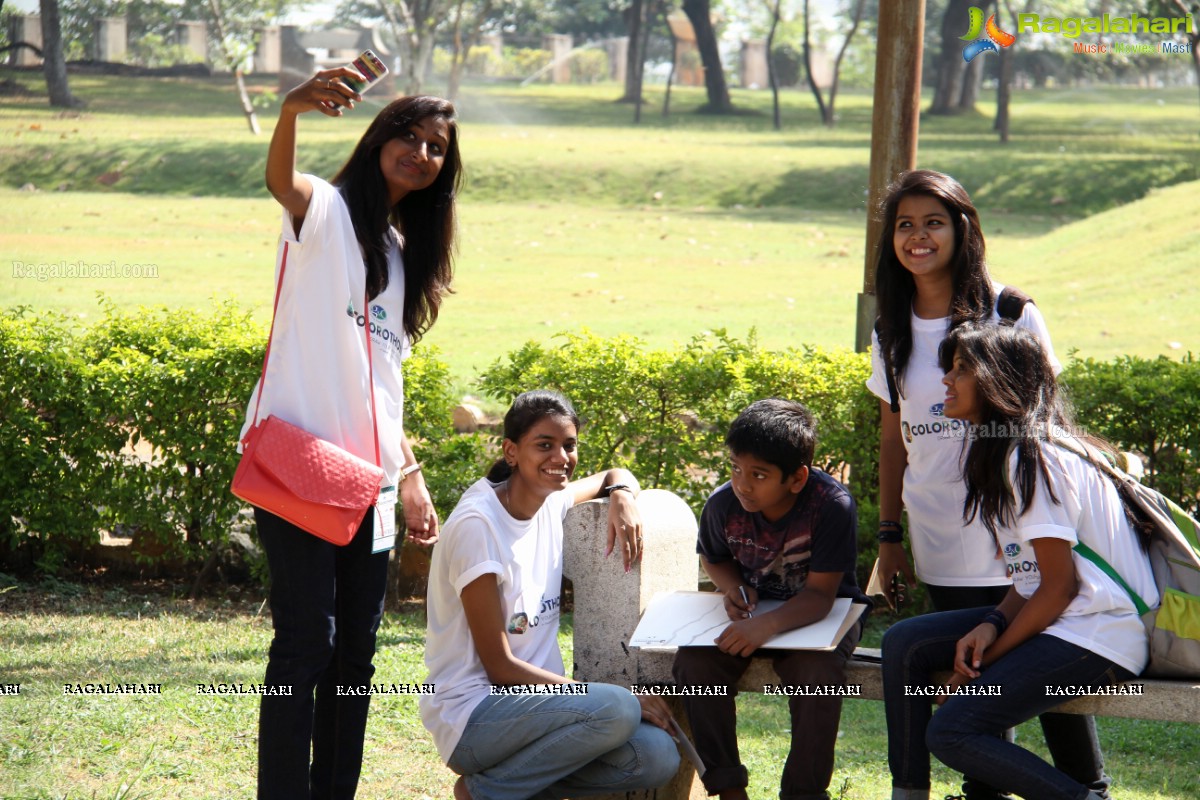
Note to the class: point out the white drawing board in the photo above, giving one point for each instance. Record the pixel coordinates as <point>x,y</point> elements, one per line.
<point>689,619</point>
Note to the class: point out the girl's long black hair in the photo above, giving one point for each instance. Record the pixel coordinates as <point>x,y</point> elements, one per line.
<point>894,286</point>
<point>1020,407</point>
<point>526,411</point>
<point>425,218</point>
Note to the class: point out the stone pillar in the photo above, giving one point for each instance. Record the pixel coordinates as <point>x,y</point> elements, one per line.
<point>754,64</point>
<point>25,28</point>
<point>559,45</point>
<point>296,64</point>
<point>618,53</point>
<point>609,602</point>
<point>193,37</point>
<point>268,53</point>
<point>112,39</point>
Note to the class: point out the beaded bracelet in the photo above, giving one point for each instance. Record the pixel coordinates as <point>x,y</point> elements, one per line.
<point>890,532</point>
<point>997,619</point>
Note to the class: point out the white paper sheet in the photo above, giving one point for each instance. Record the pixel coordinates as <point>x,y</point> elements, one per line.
<point>688,619</point>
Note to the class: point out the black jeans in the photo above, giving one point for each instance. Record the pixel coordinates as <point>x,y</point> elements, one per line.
<point>1070,738</point>
<point>809,765</point>
<point>326,606</point>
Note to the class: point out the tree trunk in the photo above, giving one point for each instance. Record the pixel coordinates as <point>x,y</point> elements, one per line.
<point>410,35</point>
<point>652,12</point>
<point>837,62</point>
<point>666,109</point>
<point>54,65</point>
<point>1003,94</point>
<point>771,77</point>
<point>1194,38</point>
<point>972,82</point>
<point>424,53</point>
<point>1004,84</point>
<point>458,54</point>
<point>635,57</point>
<point>706,41</point>
<point>247,107</point>
<point>951,66</point>
<point>812,81</point>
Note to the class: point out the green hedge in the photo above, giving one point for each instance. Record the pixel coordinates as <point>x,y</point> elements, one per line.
<point>1150,407</point>
<point>664,413</point>
<point>130,425</point>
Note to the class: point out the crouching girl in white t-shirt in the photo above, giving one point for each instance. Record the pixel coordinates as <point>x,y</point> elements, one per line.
<point>1064,628</point>
<point>493,608</point>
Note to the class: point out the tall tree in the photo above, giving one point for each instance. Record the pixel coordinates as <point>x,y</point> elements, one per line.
<point>635,55</point>
<point>1194,36</point>
<point>469,20</point>
<point>827,109</point>
<point>235,61</point>
<point>772,78</point>
<point>700,15</point>
<point>1004,84</point>
<point>951,67</point>
<point>54,65</point>
<point>415,27</point>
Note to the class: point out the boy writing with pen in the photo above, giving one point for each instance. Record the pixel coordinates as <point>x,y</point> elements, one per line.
<point>778,529</point>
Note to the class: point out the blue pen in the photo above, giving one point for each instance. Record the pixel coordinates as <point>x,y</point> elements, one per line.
<point>745,600</point>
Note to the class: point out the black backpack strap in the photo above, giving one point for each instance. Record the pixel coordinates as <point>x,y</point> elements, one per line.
<point>1011,304</point>
<point>893,392</point>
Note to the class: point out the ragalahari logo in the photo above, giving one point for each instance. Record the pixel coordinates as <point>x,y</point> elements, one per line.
<point>994,40</point>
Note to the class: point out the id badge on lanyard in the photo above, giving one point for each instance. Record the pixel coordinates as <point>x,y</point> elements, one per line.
<point>384,534</point>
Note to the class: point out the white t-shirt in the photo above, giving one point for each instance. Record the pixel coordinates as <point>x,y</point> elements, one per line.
<point>479,538</point>
<point>317,373</point>
<point>946,551</point>
<point>1102,617</point>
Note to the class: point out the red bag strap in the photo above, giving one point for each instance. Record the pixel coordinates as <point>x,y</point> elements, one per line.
<point>262,380</point>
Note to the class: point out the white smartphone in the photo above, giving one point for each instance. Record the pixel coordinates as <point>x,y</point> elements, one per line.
<point>370,67</point>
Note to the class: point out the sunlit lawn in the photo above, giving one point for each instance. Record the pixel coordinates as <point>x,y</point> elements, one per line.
<point>181,744</point>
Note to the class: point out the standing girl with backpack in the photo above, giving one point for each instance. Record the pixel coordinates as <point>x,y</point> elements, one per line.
<point>931,277</point>
<point>1064,627</point>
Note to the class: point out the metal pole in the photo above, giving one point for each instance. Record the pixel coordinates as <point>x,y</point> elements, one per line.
<point>894,124</point>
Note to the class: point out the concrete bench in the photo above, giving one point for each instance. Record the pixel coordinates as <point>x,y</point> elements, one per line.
<point>609,602</point>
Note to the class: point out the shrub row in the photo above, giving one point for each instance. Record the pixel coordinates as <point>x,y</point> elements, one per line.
<point>130,425</point>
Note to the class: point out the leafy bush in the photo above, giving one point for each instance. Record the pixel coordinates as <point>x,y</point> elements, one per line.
<point>483,61</point>
<point>524,61</point>
<point>589,66</point>
<point>664,414</point>
<point>51,436</point>
<point>1148,406</point>
<point>153,50</point>
<point>131,427</point>
<point>789,65</point>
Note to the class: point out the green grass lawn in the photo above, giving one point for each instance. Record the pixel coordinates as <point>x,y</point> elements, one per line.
<point>180,744</point>
<point>751,228</point>
<point>1117,282</point>
<point>571,218</point>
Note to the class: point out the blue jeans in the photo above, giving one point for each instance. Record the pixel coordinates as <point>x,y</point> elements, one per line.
<point>965,732</point>
<point>1070,738</point>
<point>554,746</point>
<point>326,606</point>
